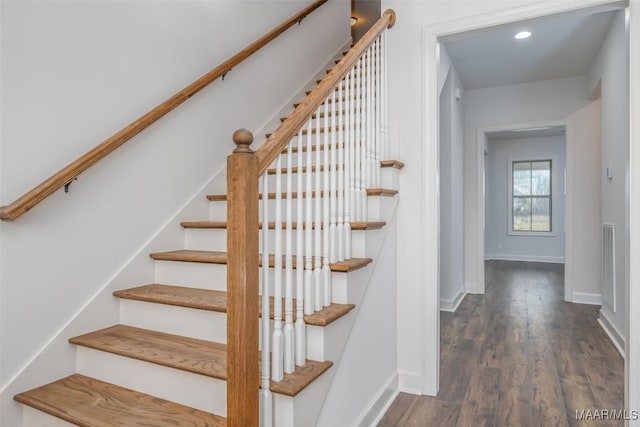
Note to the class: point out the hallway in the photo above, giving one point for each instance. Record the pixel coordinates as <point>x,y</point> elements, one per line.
<point>518,356</point>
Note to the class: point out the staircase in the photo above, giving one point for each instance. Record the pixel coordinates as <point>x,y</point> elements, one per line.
<point>166,362</point>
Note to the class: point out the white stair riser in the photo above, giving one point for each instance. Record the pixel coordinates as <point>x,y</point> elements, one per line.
<point>189,322</point>
<point>192,274</point>
<point>184,274</point>
<point>327,343</point>
<point>34,418</point>
<point>390,178</point>
<point>212,326</point>
<point>198,391</point>
<point>351,292</point>
<point>376,208</point>
<point>303,409</point>
<point>216,240</point>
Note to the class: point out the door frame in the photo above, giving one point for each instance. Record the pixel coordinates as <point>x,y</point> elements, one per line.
<point>478,284</point>
<point>430,201</point>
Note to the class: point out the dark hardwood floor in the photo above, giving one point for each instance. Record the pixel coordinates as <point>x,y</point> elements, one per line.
<point>519,356</point>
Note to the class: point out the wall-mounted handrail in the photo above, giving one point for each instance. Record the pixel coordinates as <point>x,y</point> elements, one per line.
<point>279,139</point>
<point>75,168</point>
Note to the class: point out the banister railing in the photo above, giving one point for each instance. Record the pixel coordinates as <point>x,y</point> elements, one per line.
<point>277,141</point>
<point>71,171</point>
<point>338,153</point>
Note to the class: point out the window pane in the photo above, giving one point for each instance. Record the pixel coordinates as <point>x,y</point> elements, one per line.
<point>541,178</point>
<point>521,178</point>
<point>540,219</point>
<point>521,214</point>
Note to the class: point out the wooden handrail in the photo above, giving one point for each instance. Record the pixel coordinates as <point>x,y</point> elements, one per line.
<point>279,139</point>
<point>71,171</point>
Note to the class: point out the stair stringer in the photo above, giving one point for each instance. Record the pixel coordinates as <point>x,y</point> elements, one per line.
<point>309,411</point>
<point>57,358</point>
<point>351,399</point>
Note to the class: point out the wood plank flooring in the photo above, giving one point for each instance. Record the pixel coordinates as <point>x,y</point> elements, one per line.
<point>519,356</point>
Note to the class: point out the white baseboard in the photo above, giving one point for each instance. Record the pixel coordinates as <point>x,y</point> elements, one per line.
<point>529,258</point>
<point>452,304</point>
<point>614,334</point>
<point>584,298</point>
<point>377,407</point>
<point>410,382</point>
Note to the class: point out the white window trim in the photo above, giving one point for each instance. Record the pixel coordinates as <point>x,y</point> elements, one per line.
<point>554,197</point>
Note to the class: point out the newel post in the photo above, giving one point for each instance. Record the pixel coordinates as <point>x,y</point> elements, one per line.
<point>242,284</point>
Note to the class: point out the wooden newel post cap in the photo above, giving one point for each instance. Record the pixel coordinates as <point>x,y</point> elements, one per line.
<point>392,17</point>
<point>243,139</point>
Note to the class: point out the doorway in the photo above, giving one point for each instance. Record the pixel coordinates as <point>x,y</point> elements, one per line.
<point>431,42</point>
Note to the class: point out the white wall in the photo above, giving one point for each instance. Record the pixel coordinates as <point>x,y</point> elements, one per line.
<point>582,244</point>
<point>610,71</point>
<point>499,242</point>
<point>451,191</point>
<point>72,74</point>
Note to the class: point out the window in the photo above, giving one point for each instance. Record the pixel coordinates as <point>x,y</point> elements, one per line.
<point>531,196</point>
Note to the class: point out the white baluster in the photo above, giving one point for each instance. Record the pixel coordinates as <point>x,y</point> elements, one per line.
<point>349,169</point>
<point>378,127</point>
<point>277,359</point>
<point>326,196</point>
<point>266,399</point>
<point>308,232</point>
<point>342,142</point>
<point>365,152</point>
<point>289,354</point>
<point>370,120</point>
<point>385,99</point>
<point>317,232</point>
<point>357,159</point>
<point>333,187</point>
<point>300,339</point>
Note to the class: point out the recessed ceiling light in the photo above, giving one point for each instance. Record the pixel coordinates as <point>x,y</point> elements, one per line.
<point>523,35</point>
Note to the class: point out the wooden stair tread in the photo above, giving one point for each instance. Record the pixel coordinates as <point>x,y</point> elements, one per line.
<point>89,402</point>
<point>391,164</point>
<point>294,194</point>
<point>187,354</point>
<point>315,115</point>
<point>205,299</point>
<point>314,130</point>
<point>294,169</point>
<point>217,257</point>
<point>355,225</point>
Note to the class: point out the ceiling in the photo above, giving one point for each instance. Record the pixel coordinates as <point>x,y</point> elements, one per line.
<point>561,45</point>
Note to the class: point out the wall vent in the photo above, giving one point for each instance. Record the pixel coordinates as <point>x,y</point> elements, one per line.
<point>609,266</point>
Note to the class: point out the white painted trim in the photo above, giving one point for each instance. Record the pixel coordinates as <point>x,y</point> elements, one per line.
<point>569,149</point>
<point>430,313</point>
<point>410,382</point>
<point>430,201</point>
<point>612,332</point>
<point>584,298</point>
<point>480,202</point>
<point>632,310</point>
<point>451,305</point>
<point>528,258</point>
<point>377,407</point>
